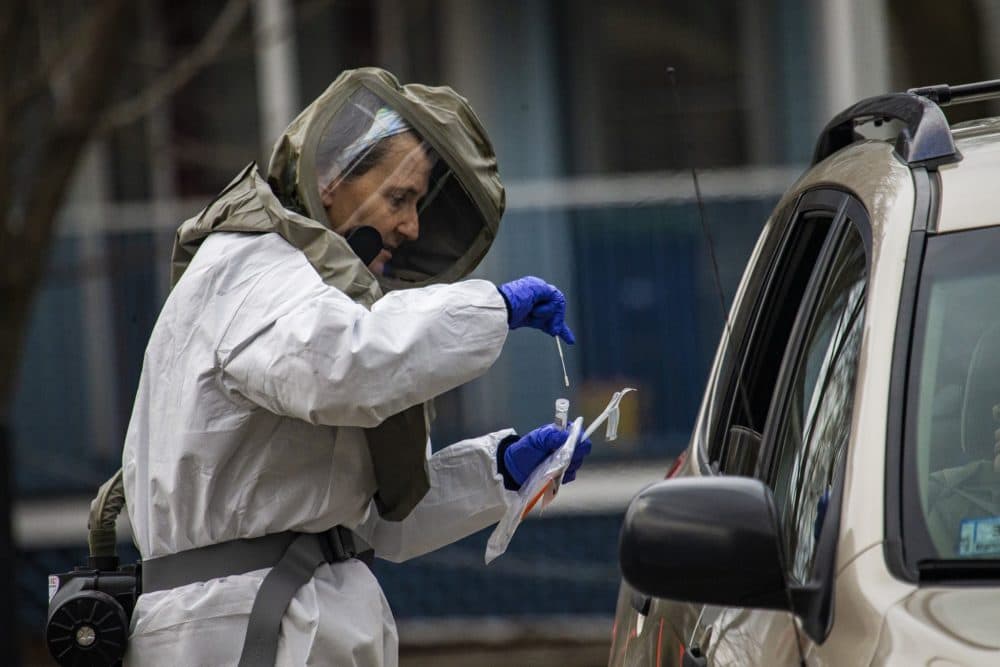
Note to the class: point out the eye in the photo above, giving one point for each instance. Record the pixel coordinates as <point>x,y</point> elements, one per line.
<point>397,199</point>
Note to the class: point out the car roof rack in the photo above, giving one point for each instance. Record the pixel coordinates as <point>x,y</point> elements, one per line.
<point>923,141</point>
<point>943,94</point>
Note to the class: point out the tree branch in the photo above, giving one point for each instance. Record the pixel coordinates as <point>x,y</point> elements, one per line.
<point>207,49</point>
<point>22,258</point>
<point>68,50</point>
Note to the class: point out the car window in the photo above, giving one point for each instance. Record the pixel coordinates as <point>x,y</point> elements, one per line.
<point>760,334</point>
<point>816,409</point>
<point>952,487</point>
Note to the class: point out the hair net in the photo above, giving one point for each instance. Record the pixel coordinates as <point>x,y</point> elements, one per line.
<point>334,160</point>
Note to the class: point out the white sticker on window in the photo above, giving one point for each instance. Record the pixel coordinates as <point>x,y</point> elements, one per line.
<point>979,536</point>
<point>53,585</point>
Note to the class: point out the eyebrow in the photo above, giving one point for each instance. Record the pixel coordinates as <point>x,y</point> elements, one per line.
<point>408,190</point>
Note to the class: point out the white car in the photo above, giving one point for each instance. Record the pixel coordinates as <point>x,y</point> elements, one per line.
<point>839,502</point>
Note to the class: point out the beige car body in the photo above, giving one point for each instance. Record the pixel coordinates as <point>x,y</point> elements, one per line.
<point>877,618</point>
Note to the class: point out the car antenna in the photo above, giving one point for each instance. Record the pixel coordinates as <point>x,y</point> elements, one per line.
<point>688,153</point>
<point>687,156</point>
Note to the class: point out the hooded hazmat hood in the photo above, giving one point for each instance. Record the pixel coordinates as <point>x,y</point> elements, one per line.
<point>459,216</point>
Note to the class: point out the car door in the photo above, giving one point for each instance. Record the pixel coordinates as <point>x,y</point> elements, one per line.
<point>727,437</point>
<point>804,440</point>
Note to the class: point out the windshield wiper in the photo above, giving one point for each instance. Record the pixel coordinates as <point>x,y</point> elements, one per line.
<point>979,569</point>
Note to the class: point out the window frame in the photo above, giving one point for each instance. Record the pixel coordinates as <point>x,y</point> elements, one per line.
<point>743,343</point>
<point>927,193</point>
<point>851,213</point>
<point>793,446</point>
<point>817,592</point>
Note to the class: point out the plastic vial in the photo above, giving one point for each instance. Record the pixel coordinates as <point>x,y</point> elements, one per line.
<point>562,412</point>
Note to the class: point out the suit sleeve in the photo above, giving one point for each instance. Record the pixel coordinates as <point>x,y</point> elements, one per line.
<point>466,494</point>
<point>311,353</point>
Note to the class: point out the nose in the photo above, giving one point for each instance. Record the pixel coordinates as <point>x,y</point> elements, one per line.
<point>409,225</point>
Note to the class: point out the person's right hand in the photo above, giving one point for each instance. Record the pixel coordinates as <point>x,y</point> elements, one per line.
<point>532,302</point>
<point>521,457</point>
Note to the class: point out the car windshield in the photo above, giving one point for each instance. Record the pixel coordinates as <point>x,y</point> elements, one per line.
<point>952,480</point>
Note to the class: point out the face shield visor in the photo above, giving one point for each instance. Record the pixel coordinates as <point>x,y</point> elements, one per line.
<point>383,158</point>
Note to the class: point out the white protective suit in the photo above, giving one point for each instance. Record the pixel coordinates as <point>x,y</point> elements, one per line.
<point>276,354</point>
<point>252,361</point>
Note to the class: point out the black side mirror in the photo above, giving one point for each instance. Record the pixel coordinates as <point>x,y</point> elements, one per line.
<point>711,540</point>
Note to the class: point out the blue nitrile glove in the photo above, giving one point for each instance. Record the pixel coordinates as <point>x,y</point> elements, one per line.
<point>517,457</point>
<point>532,302</point>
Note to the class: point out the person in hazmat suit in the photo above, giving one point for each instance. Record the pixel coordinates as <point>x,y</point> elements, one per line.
<point>280,425</point>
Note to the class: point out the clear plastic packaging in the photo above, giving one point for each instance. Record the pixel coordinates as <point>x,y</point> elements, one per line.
<point>544,481</point>
<point>611,433</point>
<point>611,414</point>
<point>533,489</point>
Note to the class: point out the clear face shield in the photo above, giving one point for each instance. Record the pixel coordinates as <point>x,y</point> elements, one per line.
<point>388,190</point>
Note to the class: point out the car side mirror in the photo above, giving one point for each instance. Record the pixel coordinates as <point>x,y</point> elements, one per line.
<point>712,540</point>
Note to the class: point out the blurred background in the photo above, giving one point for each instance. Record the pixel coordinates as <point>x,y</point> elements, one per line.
<point>119,119</point>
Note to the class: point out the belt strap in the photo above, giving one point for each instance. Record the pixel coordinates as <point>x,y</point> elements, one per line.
<point>292,557</point>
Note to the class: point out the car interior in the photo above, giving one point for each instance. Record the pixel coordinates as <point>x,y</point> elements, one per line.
<point>963,482</point>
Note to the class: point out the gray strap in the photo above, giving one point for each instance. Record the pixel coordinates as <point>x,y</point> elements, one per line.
<point>296,567</point>
<point>214,561</point>
<point>292,557</point>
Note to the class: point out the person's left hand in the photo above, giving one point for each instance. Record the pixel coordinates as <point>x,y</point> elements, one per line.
<point>521,457</point>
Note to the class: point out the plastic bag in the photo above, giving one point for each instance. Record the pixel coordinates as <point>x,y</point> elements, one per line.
<point>537,484</point>
<point>544,481</point>
<point>610,414</point>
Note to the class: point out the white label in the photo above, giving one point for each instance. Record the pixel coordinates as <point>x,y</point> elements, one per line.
<point>53,586</point>
<point>979,536</point>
